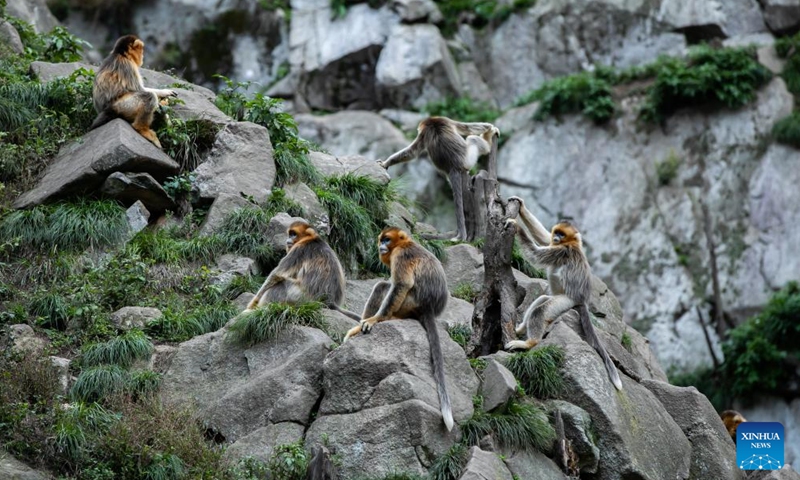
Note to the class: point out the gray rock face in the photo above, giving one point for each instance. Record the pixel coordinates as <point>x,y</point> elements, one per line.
<point>303,195</point>
<point>134,317</point>
<point>330,165</point>
<point>130,187</point>
<point>639,437</point>
<point>241,161</point>
<point>484,466</point>
<point>498,385</point>
<point>237,265</point>
<point>84,164</point>
<point>10,37</point>
<point>533,465</point>
<point>713,452</point>
<point>415,67</point>
<point>463,265</point>
<point>24,340</point>
<point>781,15</point>
<point>261,443</point>
<point>749,198</point>
<point>578,429</point>
<point>34,12</point>
<point>380,409</point>
<point>13,469</point>
<point>61,366</point>
<point>138,216</point>
<point>411,11</point>
<point>222,207</point>
<point>717,18</point>
<point>352,133</point>
<point>238,391</point>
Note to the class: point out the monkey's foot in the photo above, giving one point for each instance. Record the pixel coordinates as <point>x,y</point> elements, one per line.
<point>352,332</point>
<point>522,344</point>
<point>521,202</point>
<point>520,328</point>
<point>511,223</point>
<point>367,324</point>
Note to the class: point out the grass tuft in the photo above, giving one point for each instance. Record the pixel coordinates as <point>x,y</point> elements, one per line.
<point>460,334</point>
<point>523,426</point>
<point>269,321</point>
<point>144,383</point>
<point>465,291</point>
<point>450,465</point>
<point>787,130</point>
<point>121,351</point>
<point>539,370</point>
<point>97,383</point>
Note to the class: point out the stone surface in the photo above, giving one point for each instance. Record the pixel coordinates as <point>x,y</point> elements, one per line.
<point>134,317</point>
<point>240,390</point>
<point>260,443</point>
<point>713,18</point>
<point>533,465</point>
<point>498,385</point>
<point>84,164</point>
<point>240,162</point>
<point>129,188</point>
<point>411,11</point>
<point>34,12</point>
<point>578,430</point>
<point>223,206</point>
<point>713,452</point>
<point>484,466</point>
<point>303,195</point>
<point>458,312</point>
<point>24,340</point>
<point>639,438</point>
<point>138,217</point>
<point>781,15</point>
<point>329,165</point>
<point>276,231</point>
<point>353,133</point>
<point>13,469</point>
<point>237,265</point>
<point>407,120</point>
<point>10,37</point>
<point>463,265</point>
<point>61,366</point>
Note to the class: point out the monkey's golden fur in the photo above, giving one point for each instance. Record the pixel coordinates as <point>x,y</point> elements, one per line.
<point>570,279</point>
<point>451,154</point>
<point>119,91</point>
<point>732,419</point>
<point>418,289</point>
<point>309,271</point>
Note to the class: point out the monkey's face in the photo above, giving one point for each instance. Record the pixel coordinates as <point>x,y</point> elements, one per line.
<point>564,233</point>
<point>388,240</point>
<point>297,232</point>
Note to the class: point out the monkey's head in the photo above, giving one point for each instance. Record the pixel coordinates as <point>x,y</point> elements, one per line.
<point>389,239</point>
<point>565,234</point>
<point>298,233</point>
<point>732,419</point>
<point>130,46</point>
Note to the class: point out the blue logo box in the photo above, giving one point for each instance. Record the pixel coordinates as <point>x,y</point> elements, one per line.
<point>759,446</point>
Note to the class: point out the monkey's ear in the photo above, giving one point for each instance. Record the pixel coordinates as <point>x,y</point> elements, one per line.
<point>310,232</point>
<point>138,43</point>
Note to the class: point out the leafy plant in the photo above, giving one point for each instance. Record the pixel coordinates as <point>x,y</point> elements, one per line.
<point>269,321</point>
<point>667,169</point>
<point>186,141</point>
<point>539,370</point>
<point>460,334</point>
<point>522,426</point>
<point>787,130</point>
<point>582,92</point>
<point>288,462</point>
<point>121,351</point>
<point>98,383</point>
<point>787,48</point>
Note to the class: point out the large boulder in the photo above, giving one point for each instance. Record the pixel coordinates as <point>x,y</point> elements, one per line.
<point>329,165</point>
<point>128,187</point>
<point>485,466</point>
<point>352,133</point>
<point>220,210</point>
<point>713,452</point>
<point>533,465</point>
<point>84,164</point>
<point>239,390</point>
<point>240,162</point>
<point>708,19</point>
<point>380,408</point>
<point>34,12</point>
<point>134,317</point>
<point>781,15</point>
<point>10,37</point>
<point>639,438</point>
<point>13,469</point>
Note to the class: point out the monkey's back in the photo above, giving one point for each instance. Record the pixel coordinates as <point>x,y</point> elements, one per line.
<point>117,75</point>
<point>430,282</point>
<point>319,270</point>
<point>445,146</point>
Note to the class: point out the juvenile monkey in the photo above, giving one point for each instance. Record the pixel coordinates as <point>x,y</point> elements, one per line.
<point>732,419</point>
<point>570,278</point>
<point>309,271</point>
<point>450,154</point>
<point>418,289</point>
<point>119,91</point>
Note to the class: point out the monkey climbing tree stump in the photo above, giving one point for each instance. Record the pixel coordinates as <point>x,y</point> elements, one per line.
<point>495,313</point>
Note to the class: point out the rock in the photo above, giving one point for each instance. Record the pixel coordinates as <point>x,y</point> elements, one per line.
<point>639,436</point>
<point>399,216</point>
<point>61,366</point>
<point>532,465</point>
<point>713,452</point>
<point>243,300</point>
<point>415,67</point>
<point>498,386</point>
<point>353,133</point>
<point>515,119</point>
<point>10,37</point>
<point>458,312</point>
<point>261,443</point>
<point>329,165</point>
<point>405,119</point>
<point>134,317</point>
<point>578,429</point>
<point>24,340</point>
<point>473,86</point>
<point>240,162</point>
<point>357,293</point>
<point>276,230</point>
<point>306,198</point>
<point>463,265</point>
<point>161,359</point>
<point>138,216</point>
<point>380,408</point>
<point>34,12</point>
<point>338,324</point>
<point>786,473</point>
<point>84,164</point>
<point>220,210</point>
<point>412,11</point>
<point>713,18</point>
<point>485,466</point>
<point>239,390</point>
<point>13,469</point>
<point>238,265</point>
<point>782,16</point>
<point>129,188</point>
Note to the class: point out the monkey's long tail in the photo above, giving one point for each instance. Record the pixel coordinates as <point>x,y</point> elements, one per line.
<point>437,361</point>
<point>347,313</point>
<point>594,341</point>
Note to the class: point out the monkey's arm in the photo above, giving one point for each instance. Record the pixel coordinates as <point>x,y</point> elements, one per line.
<point>162,93</point>
<point>540,234</point>
<point>409,153</point>
<point>391,303</point>
<point>544,256</point>
<point>273,279</point>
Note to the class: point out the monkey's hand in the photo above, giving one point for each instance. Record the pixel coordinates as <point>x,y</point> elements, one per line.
<point>517,199</point>
<point>368,323</point>
<point>170,93</point>
<point>383,164</point>
<point>352,332</point>
<point>511,223</point>
<point>495,131</point>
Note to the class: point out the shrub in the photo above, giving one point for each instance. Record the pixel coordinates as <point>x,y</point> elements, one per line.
<point>523,426</point>
<point>288,462</point>
<point>186,141</point>
<point>787,47</point>
<point>121,351</point>
<point>269,321</point>
<point>787,130</point>
<point>539,370</point>
<point>667,169</point>
<point>582,92</point>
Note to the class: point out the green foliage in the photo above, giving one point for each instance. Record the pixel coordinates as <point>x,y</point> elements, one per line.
<point>288,462</point>
<point>479,13</point>
<point>98,383</point>
<point>121,351</point>
<point>788,48</point>
<point>436,247</point>
<point>450,465</point>
<point>186,141</point>
<point>164,246</point>
<point>539,370</point>
<point>65,226</point>
<point>460,334</point>
<point>522,426</point>
<point>465,291</point>
<point>77,425</point>
<point>582,92</point>
<point>667,169</point>
<point>626,341</point>
<point>144,383</point>
<point>522,264</point>
<point>787,130</point>
<point>51,309</point>
<point>244,232</point>
<point>179,185</point>
<point>269,321</point>
<point>463,109</point>
<point>182,324</point>
<point>291,151</point>
<point>57,46</point>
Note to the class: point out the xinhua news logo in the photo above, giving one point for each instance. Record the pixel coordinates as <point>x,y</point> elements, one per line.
<point>759,446</point>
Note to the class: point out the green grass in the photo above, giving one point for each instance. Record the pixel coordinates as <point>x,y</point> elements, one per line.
<point>480,12</point>
<point>144,383</point>
<point>450,465</point>
<point>98,383</point>
<point>667,169</point>
<point>626,341</point>
<point>463,109</point>
<point>583,93</point>
<point>465,291</point>
<point>460,334</point>
<point>522,264</point>
<point>539,370</point>
<point>522,426</point>
<point>787,130</point>
<point>121,351</point>
<point>186,141</point>
<point>791,71</point>
<point>77,424</point>
<point>269,321</point>
<point>52,309</point>
<point>163,246</point>
<point>178,325</point>
<point>245,232</point>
